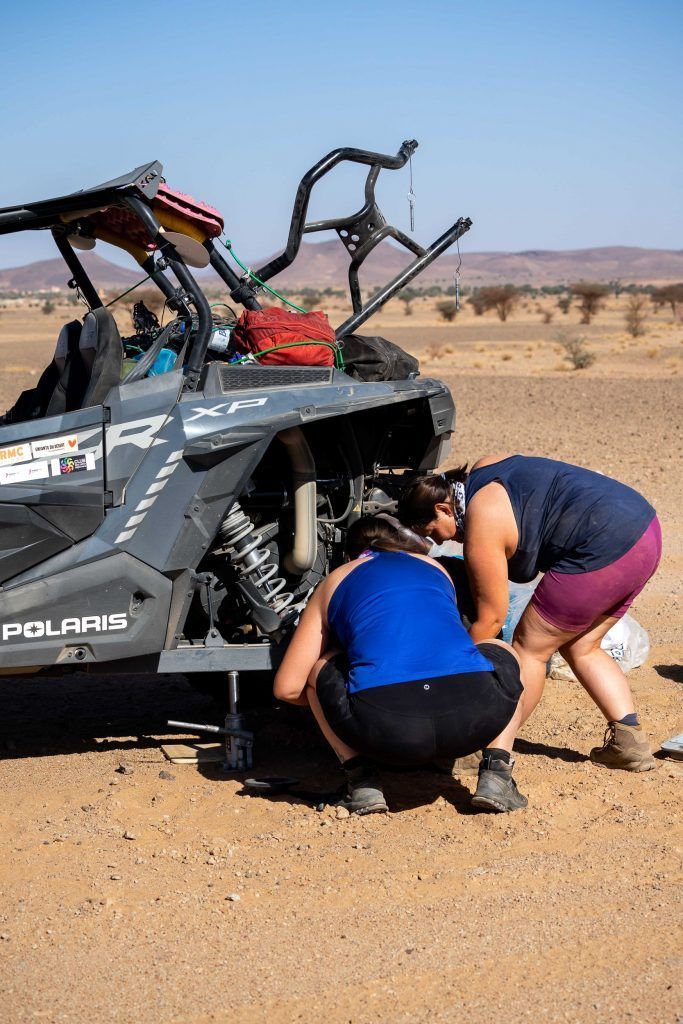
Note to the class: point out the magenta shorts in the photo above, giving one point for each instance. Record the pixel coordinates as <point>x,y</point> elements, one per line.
<point>574,601</point>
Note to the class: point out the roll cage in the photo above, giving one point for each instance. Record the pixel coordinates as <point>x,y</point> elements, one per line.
<point>141,214</point>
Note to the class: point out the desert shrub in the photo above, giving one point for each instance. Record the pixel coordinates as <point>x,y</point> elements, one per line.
<point>503,298</point>
<point>433,351</point>
<point>668,295</point>
<point>563,303</point>
<point>48,307</point>
<point>447,310</point>
<point>592,295</point>
<point>152,298</point>
<point>635,315</point>
<point>574,348</point>
<point>547,316</point>
<point>310,298</point>
<point>478,302</point>
<point>407,297</point>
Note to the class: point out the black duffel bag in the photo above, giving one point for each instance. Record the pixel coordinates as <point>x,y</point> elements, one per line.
<point>376,358</point>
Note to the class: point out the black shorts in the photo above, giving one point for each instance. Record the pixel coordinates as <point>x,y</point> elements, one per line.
<point>416,722</point>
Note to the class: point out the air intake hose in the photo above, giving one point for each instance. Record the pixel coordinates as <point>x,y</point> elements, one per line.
<point>302,556</point>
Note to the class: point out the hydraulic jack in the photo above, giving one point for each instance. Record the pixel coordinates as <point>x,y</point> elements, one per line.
<point>239,741</point>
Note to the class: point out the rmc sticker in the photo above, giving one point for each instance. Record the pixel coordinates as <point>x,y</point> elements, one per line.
<point>15,453</point>
<point>47,446</point>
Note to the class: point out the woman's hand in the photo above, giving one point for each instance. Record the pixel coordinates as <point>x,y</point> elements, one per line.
<point>305,648</point>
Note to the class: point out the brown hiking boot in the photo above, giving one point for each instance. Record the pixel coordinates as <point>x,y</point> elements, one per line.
<point>625,747</point>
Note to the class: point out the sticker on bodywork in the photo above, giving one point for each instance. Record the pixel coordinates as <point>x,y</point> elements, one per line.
<point>46,446</point>
<point>15,453</point>
<point>24,473</point>
<point>76,463</point>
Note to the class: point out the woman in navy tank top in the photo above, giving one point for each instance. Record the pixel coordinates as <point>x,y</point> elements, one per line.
<point>391,674</point>
<point>596,541</point>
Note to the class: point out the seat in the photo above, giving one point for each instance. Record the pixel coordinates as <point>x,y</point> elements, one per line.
<point>51,394</point>
<point>101,353</point>
<point>86,365</point>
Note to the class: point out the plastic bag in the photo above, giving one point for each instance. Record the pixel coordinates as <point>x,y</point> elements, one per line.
<point>520,595</point>
<point>627,643</point>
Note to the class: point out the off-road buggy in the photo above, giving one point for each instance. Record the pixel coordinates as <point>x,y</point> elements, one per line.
<point>176,521</point>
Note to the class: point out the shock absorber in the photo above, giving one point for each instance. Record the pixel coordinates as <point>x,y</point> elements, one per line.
<point>244,546</point>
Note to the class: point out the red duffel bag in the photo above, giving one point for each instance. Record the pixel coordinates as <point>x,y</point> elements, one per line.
<point>278,337</point>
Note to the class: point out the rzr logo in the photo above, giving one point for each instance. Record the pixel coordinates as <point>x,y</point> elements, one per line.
<point>41,628</point>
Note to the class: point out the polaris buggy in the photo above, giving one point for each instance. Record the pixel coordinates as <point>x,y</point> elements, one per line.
<point>176,521</point>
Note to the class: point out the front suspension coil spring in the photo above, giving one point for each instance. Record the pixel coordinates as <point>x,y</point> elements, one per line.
<point>243,544</point>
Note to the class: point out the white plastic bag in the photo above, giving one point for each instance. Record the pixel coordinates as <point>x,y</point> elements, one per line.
<point>627,643</point>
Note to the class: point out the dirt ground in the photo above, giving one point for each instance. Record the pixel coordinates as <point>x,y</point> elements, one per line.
<point>141,897</point>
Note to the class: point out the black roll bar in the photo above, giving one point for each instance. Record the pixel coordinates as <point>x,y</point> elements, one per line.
<point>85,285</point>
<point>187,282</point>
<point>410,272</point>
<point>359,232</point>
<point>298,226</point>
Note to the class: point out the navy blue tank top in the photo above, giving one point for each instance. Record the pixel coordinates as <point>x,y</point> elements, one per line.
<point>569,519</point>
<point>396,617</point>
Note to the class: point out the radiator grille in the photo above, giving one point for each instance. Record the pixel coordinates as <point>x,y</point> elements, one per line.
<point>243,378</point>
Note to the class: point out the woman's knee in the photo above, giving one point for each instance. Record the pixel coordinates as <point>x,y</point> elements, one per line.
<point>320,664</point>
<point>579,648</point>
<point>506,647</point>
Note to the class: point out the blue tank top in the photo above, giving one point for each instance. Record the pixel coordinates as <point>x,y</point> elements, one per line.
<point>569,519</point>
<point>396,617</point>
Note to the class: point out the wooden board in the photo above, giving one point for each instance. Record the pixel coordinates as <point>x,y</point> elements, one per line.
<point>193,751</point>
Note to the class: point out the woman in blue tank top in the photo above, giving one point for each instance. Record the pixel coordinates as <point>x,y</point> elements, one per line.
<point>596,541</point>
<point>390,672</point>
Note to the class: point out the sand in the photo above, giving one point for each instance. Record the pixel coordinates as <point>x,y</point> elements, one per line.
<point>568,911</point>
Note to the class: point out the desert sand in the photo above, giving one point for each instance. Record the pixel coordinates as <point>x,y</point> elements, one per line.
<point>130,896</point>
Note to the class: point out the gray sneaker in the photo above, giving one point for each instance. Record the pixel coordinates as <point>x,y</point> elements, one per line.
<point>496,789</point>
<point>363,792</point>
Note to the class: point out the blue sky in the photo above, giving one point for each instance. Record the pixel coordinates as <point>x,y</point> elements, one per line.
<point>552,124</point>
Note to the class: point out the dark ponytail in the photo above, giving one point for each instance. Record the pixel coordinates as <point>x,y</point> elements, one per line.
<point>423,492</point>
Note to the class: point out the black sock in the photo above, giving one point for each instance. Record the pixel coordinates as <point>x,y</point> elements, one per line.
<point>631,720</point>
<point>497,754</point>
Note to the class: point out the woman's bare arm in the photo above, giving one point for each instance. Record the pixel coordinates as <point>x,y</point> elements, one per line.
<point>305,648</point>
<point>490,539</point>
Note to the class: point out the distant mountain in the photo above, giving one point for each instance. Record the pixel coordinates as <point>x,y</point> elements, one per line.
<point>325,265</point>
<point>44,274</point>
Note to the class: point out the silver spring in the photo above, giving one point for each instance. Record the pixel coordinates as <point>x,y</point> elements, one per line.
<point>251,560</point>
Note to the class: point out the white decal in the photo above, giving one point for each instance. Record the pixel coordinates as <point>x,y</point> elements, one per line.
<point>141,433</point>
<point>23,473</point>
<point>77,462</point>
<point>54,445</point>
<point>15,453</point>
<point>39,628</point>
<point>227,408</point>
<point>151,495</point>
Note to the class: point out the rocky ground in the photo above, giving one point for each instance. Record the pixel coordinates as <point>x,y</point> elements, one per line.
<point>137,891</point>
